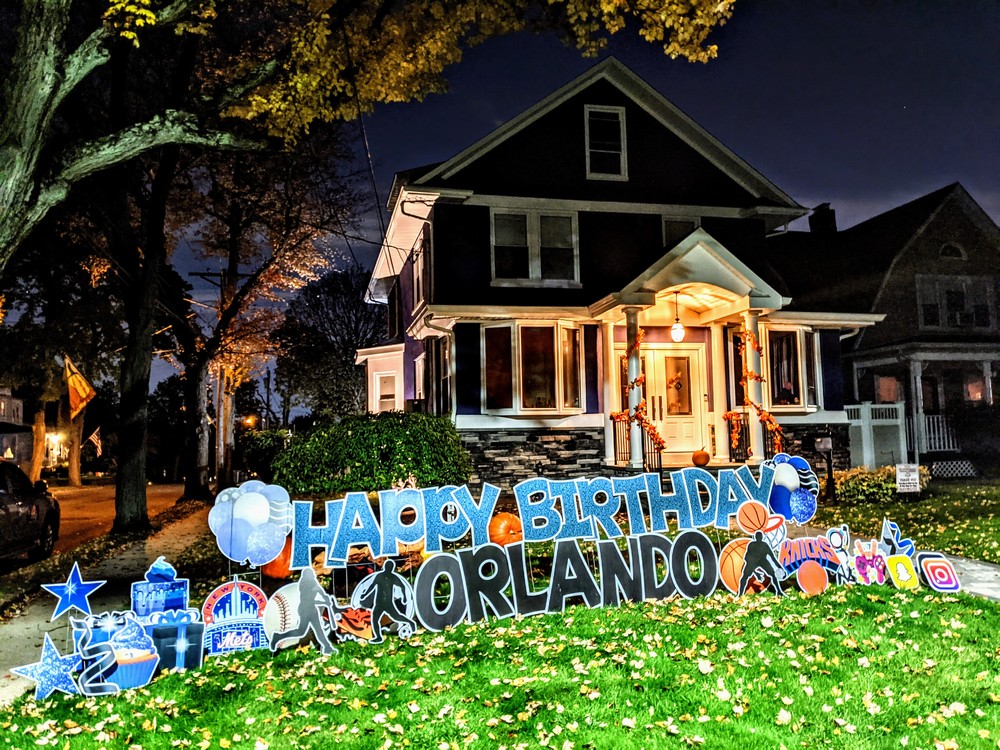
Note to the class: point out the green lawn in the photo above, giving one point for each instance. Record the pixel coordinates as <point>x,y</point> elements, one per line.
<point>960,518</point>
<point>855,668</point>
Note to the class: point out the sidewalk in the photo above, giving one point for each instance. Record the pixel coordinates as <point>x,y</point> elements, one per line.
<point>22,637</point>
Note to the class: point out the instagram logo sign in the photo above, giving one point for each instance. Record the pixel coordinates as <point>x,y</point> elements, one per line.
<point>937,572</point>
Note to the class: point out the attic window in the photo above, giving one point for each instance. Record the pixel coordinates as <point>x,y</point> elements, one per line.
<point>951,250</point>
<point>606,150</point>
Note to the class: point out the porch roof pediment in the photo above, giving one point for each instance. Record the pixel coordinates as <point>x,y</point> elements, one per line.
<point>700,259</point>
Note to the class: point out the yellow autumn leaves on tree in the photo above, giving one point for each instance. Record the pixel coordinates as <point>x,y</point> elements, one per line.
<point>340,59</point>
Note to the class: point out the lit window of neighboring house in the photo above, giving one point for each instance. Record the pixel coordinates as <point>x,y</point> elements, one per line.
<point>386,384</point>
<point>792,377</point>
<point>532,368</point>
<point>607,156</point>
<point>535,248</point>
<point>956,302</point>
<point>418,377</point>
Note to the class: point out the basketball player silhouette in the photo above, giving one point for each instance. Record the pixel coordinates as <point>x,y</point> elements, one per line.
<point>760,557</point>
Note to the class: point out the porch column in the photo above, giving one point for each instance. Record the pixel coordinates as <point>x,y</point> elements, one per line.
<point>988,383</point>
<point>753,387</point>
<point>720,393</point>
<point>610,375</point>
<point>916,386</point>
<point>634,394</point>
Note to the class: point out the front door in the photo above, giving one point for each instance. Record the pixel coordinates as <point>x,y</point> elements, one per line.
<point>675,391</point>
<point>677,386</point>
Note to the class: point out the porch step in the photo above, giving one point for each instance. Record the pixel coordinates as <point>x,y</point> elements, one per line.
<point>954,469</point>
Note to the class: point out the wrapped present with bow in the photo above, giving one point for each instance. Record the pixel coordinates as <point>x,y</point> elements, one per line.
<point>177,635</point>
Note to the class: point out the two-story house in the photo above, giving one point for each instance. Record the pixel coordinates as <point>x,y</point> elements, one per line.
<point>931,267</point>
<point>15,436</point>
<point>600,235</point>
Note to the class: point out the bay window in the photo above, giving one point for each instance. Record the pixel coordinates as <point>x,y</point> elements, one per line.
<point>791,372</point>
<point>532,367</point>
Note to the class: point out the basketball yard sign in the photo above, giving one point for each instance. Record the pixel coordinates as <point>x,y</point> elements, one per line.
<point>598,542</point>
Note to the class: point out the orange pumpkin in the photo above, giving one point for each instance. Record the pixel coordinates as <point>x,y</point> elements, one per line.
<point>505,528</point>
<point>279,568</point>
<point>701,457</point>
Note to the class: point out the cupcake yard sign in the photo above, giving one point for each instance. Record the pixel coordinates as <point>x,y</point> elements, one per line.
<point>609,540</point>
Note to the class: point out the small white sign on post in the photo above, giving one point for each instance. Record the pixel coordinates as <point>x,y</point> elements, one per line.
<point>907,478</point>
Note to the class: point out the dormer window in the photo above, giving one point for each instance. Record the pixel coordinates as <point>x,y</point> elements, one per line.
<point>606,149</point>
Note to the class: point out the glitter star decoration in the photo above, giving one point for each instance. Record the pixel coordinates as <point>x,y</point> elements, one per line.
<point>52,672</point>
<point>73,593</point>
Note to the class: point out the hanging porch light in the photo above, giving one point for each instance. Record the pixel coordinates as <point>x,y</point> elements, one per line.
<point>677,329</point>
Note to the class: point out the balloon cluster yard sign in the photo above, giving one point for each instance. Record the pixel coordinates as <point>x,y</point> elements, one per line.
<point>598,542</point>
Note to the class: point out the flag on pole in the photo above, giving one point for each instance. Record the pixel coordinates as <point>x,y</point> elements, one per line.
<point>81,392</point>
<point>96,440</point>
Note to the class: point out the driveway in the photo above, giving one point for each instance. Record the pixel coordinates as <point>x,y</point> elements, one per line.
<point>89,512</point>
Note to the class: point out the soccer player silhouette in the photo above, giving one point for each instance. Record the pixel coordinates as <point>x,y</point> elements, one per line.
<point>390,595</point>
<point>760,557</point>
<point>312,601</point>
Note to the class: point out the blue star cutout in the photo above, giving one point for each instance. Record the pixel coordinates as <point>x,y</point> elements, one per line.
<point>73,593</point>
<point>52,672</point>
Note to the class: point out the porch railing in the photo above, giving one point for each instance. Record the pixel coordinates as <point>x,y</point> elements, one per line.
<point>938,434</point>
<point>651,458</point>
<point>740,453</point>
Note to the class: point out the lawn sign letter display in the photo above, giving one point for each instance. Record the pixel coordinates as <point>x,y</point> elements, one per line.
<point>608,540</point>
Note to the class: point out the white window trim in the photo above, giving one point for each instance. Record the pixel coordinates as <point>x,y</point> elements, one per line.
<point>620,111</point>
<point>800,341</point>
<point>517,396</point>
<point>418,267</point>
<point>419,374</point>
<point>534,236</point>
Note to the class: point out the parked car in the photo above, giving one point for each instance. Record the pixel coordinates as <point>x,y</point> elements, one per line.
<point>29,515</point>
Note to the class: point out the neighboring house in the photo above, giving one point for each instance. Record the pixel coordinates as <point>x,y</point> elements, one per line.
<point>519,272</point>
<point>15,436</point>
<point>932,267</point>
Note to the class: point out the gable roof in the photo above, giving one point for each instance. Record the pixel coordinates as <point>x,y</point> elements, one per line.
<point>652,102</point>
<point>844,271</point>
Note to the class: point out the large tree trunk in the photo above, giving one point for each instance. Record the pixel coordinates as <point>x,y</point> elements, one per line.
<point>197,439</point>
<point>38,443</point>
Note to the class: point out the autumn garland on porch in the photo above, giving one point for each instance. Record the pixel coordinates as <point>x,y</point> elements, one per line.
<point>639,416</point>
<point>767,419</point>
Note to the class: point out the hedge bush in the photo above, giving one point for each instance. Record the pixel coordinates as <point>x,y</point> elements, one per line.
<point>260,448</point>
<point>860,486</point>
<point>373,452</point>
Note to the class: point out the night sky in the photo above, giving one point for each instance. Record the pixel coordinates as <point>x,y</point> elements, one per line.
<point>864,104</point>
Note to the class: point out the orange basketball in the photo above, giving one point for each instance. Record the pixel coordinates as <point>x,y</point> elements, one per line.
<point>731,568</point>
<point>751,516</point>
<point>505,528</point>
<point>812,578</point>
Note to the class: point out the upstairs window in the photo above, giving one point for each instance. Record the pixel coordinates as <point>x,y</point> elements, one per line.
<point>956,302</point>
<point>607,157</point>
<point>419,270</point>
<point>535,249</point>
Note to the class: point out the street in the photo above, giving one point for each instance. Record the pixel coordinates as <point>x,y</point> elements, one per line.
<point>89,512</point>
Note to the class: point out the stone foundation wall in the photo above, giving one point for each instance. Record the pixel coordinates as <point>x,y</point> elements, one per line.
<point>505,457</point>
